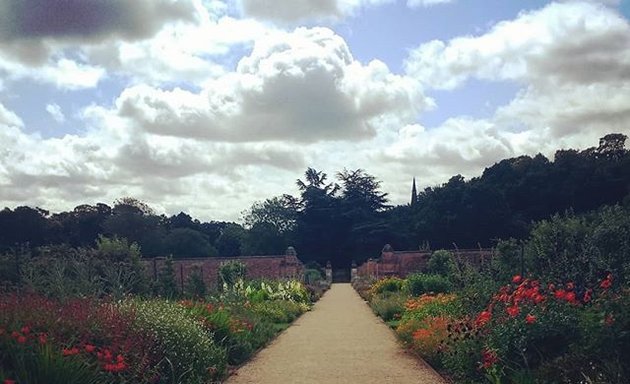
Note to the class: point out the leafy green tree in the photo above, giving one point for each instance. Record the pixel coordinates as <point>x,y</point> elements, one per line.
<point>186,242</point>
<point>230,242</point>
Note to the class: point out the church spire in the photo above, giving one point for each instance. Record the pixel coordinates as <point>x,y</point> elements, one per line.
<point>414,193</point>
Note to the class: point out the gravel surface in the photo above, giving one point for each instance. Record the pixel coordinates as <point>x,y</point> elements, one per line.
<point>339,341</point>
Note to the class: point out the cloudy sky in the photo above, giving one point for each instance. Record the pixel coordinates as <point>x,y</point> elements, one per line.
<point>206,106</point>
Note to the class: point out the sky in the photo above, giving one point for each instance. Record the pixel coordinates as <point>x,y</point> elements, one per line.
<point>207,106</point>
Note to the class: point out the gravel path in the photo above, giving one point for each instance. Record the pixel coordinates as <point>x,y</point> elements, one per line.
<point>339,341</point>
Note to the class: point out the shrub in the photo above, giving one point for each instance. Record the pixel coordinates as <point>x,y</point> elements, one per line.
<point>389,305</point>
<point>230,272</point>
<point>388,284</point>
<point>166,286</point>
<point>442,263</point>
<point>189,354</point>
<point>312,276</point>
<point>581,248</point>
<point>195,285</point>
<point>420,283</point>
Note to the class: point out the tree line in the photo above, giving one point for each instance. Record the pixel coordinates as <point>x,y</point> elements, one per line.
<point>348,218</point>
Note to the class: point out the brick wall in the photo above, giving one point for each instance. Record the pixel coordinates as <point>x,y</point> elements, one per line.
<point>403,263</point>
<point>281,266</point>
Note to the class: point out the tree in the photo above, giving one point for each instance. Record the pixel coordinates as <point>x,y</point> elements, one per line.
<point>280,212</point>
<point>230,242</point>
<point>186,242</point>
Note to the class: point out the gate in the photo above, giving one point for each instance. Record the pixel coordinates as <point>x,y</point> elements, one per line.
<point>341,275</point>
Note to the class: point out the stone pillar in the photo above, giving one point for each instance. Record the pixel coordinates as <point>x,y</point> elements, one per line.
<point>329,272</point>
<point>353,272</point>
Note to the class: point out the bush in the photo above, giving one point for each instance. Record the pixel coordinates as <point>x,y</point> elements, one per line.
<point>195,285</point>
<point>442,263</point>
<point>389,305</point>
<point>312,276</point>
<point>230,272</point>
<point>581,248</point>
<point>420,283</point>
<point>189,354</point>
<point>388,284</point>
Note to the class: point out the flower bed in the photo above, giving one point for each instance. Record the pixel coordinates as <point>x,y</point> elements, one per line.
<point>140,340</point>
<point>529,331</point>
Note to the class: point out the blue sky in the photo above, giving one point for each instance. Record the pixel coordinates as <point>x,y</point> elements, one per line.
<point>207,106</point>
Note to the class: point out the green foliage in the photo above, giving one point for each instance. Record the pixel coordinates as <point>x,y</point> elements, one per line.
<point>442,263</point>
<point>187,242</point>
<point>420,283</point>
<point>166,286</point>
<point>43,364</point>
<point>230,272</point>
<point>190,354</point>
<point>581,248</point>
<point>313,276</point>
<point>388,284</point>
<point>388,305</point>
<point>195,285</point>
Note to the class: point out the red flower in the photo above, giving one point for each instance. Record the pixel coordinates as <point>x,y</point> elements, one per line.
<point>538,298</point>
<point>609,320</point>
<point>513,311</point>
<point>43,338</point>
<point>15,334</point>
<point>607,282</point>
<point>570,297</point>
<point>587,295</point>
<point>8,381</point>
<point>89,348</point>
<point>26,330</point>
<point>21,339</point>
<point>570,286</point>
<point>489,358</point>
<point>483,318</point>
<point>530,319</point>
<point>560,294</point>
<point>517,279</point>
<point>70,351</point>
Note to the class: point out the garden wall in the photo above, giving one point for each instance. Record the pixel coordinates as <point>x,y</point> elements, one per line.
<point>403,263</point>
<point>279,266</point>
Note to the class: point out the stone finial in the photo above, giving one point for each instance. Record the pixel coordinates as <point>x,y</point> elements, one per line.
<point>388,248</point>
<point>290,252</point>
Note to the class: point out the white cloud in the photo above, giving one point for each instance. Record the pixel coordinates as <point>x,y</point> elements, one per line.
<point>302,86</point>
<point>573,62</point>
<point>426,3</point>
<point>295,11</point>
<point>55,112</point>
<point>568,42</point>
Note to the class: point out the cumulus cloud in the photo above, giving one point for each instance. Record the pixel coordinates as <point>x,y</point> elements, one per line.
<point>302,86</point>
<point>112,159</point>
<point>295,11</point>
<point>563,42</point>
<point>572,60</point>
